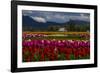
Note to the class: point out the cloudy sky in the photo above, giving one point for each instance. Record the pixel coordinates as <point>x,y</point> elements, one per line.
<point>59,17</point>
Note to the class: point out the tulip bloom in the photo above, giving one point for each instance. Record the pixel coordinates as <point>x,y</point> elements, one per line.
<point>42,50</point>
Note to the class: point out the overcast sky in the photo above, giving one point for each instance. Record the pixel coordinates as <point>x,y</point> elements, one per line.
<point>59,17</point>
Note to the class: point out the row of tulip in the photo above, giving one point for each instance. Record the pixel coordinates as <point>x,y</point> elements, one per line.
<point>33,35</point>
<point>29,36</point>
<point>51,50</point>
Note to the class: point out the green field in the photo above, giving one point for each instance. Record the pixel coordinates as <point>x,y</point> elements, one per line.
<point>58,38</point>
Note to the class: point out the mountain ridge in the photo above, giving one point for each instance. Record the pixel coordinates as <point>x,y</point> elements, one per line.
<point>29,22</point>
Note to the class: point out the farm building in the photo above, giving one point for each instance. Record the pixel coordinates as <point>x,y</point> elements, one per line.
<point>62,29</point>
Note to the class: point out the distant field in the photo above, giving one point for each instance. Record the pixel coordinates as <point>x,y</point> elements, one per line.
<point>59,35</point>
<point>59,38</point>
<point>56,32</point>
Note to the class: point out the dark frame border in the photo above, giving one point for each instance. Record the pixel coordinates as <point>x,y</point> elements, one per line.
<point>14,5</point>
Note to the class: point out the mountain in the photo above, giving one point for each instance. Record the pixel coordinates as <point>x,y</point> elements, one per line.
<point>29,22</point>
<point>78,22</point>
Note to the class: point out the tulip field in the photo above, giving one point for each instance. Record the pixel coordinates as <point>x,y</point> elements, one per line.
<point>55,46</point>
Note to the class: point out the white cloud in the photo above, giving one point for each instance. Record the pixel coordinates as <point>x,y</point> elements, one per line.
<point>48,17</point>
<point>57,17</point>
<point>84,16</point>
<point>81,17</point>
<point>39,19</point>
<point>26,12</point>
<point>43,17</point>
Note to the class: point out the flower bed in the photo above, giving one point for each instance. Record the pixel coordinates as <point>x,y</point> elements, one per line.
<point>51,50</point>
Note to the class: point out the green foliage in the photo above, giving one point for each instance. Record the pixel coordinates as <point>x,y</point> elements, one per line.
<point>72,57</point>
<point>61,56</point>
<point>68,26</point>
<point>36,57</point>
<point>69,37</point>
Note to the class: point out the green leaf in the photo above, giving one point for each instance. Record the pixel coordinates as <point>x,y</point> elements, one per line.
<point>62,56</point>
<point>72,57</point>
<point>36,57</point>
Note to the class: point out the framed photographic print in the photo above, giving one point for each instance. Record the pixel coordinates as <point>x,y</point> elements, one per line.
<point>51,36</point>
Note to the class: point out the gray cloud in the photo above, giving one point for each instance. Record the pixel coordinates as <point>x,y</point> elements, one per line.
<point>43,16</point>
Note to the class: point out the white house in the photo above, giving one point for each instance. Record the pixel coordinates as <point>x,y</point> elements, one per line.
<point>62,29</point>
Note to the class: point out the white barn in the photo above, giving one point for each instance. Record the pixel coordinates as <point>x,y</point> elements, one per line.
<point>62,29</point>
